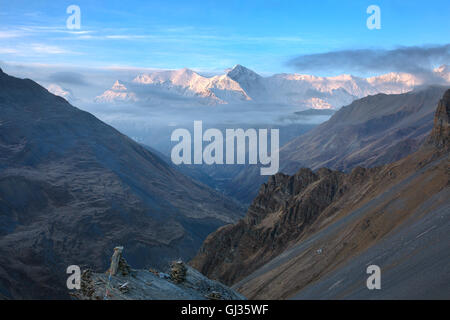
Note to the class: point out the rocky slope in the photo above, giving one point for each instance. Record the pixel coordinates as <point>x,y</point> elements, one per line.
<point>305,235</point>
<point>71,187</point>
<point>369,132</point>
<point>180,283</point>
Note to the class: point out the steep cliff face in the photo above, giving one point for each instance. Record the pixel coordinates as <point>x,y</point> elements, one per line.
<point>304,227</point>
<point>439,136</point>
<point>281,214</point>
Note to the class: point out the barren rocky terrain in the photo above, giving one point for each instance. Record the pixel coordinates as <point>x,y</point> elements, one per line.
<point>371,131</point>
<point>302,228</point>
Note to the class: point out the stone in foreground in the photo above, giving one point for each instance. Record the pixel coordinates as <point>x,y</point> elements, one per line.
<point>182,283</point>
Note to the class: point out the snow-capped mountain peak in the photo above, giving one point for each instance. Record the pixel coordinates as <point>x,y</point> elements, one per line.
<point>118,93</point>
<point>443,71</point>
<point>442,68</point>
<point>118,86</point>
<point>240,84</point>
<point>239,72</point>
<point>59,91</point>
<point>186,82</point>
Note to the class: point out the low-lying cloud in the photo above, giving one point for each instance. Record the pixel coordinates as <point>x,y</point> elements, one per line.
<point>418,60</point>
<point>68,77</point>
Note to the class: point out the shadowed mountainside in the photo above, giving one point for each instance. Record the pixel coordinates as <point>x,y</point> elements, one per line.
<point>371,131</point>
<point>72,187</point>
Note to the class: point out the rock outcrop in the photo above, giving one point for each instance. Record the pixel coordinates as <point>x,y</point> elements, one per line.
<point>183,283</point>
<point>282,213</point>
<point>441,131</point>
<point>371,131</point>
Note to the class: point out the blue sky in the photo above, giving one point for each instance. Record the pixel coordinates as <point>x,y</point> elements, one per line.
<point>210,35</point>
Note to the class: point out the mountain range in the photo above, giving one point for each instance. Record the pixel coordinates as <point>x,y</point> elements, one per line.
<point>73,187</point>
<point>313,234</point>
<point>242,85</point>
<point>371,131</point>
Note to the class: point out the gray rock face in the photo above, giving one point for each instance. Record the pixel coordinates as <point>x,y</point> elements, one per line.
<point>72,187</point>
<point>441,130</point>
<point>283,211</point>
<point>152,285</point>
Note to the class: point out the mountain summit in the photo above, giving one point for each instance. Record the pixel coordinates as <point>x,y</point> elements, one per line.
<point>239,72</point>
<point>242,85</point>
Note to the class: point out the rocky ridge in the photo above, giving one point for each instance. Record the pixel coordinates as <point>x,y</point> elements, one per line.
<point>303,227</point>
<point>181,283</point>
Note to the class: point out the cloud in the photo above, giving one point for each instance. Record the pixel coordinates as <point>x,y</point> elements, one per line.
<point>10,34</point>
<point>8,51</point>
<point>68,77</point>
<point>34,49</point>
<point>47,49</point>
<point>49,30</point>
<point>126,36</point>
<point>418,60</point>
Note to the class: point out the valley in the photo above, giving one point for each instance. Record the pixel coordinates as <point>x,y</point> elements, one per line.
<point>72,187</point>
<point>195,154</point>
<point>304,234</point>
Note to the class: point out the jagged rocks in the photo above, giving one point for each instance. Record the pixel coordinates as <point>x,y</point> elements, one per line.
<point>214,296</point>
<point>301,227</point>
<point>124,268</point>
<point>118,263</point>
<point>178,272</point>
<point>183,283</point>
<point>86,284</point>
<point>440,134</point>
<point>287,208</point>
<point>284,208</point>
